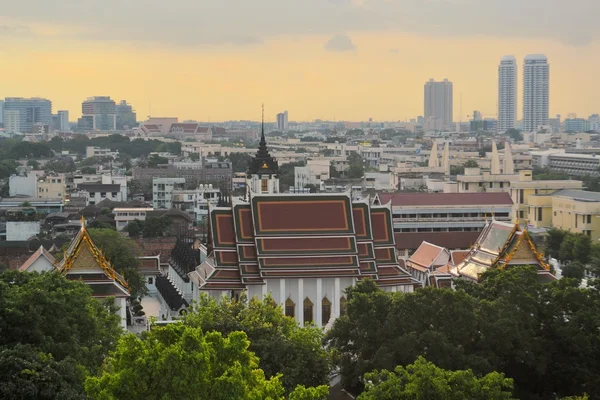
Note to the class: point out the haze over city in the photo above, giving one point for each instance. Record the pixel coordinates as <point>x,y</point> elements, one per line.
<point>336,59</point>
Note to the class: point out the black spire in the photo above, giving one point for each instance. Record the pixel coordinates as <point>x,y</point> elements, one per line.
<point>263,163</point>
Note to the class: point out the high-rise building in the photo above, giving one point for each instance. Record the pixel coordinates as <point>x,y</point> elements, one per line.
<point>126,116</point>
<point>438,105</point>
<point>282,121</point>
<point>12,121</point>
<point>99,113</point>
<point>63,120</point>
<point>507,93</point>
<point>31,111</point>
<point>1,113</point>
<point>536,96</point>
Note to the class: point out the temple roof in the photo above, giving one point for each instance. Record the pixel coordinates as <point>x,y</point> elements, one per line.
<point>39,253</point>
<point>500,244</point>
<point>84,257</point>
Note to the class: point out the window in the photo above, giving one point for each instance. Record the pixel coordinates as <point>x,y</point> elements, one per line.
<point>589,219</point>
<point>521,195</point>
<point>501,185</point>
<point>325,311</point>
<point>539,216</point>
<point>103,194</point>
<point>491,184</point>
<point>521,214</point>
<point>308,311</point>
<point>290,308</point>
<point>264,185</point>
<point>343,306</point>
<point>92,194</point>
<point>114,194</point>
<point>466,186</point>
<point>151,280</point>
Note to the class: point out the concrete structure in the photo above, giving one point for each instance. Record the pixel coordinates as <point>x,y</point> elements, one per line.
<point>536,92</point>
<point>24,186</point>
<point>577,125</point>
<point>99,113</point>
<point>47,206</point>
<point>30,111</point>
<point>575,164</point>
<point>162,191</point>
<point>12,121</point>
<point>94,193</point>
<point>1,112</point>
<point>52,187</point>
<point>91,151</point>
<point>282,121</point>
<point>21,230</point>
<point>196,202</point>
<point>384,179</point>
<point>124,216</point>
<point>438,105</point>
<point>63,120</point>
<point>507,93</point>
<point>108,179</point>
<point>219,173</point>
<point>313,173</point>
<point>126,116</point>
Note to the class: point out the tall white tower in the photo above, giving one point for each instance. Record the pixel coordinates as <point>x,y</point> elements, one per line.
<point>262,175</point>
<point>507,93</point>
<point>536,92</point>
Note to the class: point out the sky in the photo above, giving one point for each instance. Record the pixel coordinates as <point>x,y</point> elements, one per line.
<point>216,60</point>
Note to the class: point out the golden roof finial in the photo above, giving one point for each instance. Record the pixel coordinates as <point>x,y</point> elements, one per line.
<point>82,221</point>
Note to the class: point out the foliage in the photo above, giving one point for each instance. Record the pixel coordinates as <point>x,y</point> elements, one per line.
<point>156,226</point>
<point>546,174</point>
<point>182,362</point>
<point>514,134</point>
<point>8,167</point>
<point>460,169</point>
<point>88,170</point>
<point>356,166</point>
<point>95,224</point>
<point>281,345</point>
<point>575,270</point>
<point>287,175</point>
<point>424,381</point>
<point>53,333</point>
<point>27,373</point>
<point>239,161</point>
<point>134,228</point>
<point>123,253</point>
<point>567,246</point>
<point>311,393</point>
<point>509,323</point>
<point>471,164</point>
<point>33,164</point>
<point>313,188</point>
<point>63,164</point>
<point>554,238</point>
<point>16,149</point>
<point>155,160</point>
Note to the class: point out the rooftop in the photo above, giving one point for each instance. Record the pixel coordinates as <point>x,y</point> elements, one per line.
<point>580,195</point>
<point>445,199</point>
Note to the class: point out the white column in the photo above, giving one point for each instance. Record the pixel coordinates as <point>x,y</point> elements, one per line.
<point>264,290</point>
<point>394,288</point>
<point>282,294</point>
<point>319,305</point>
<point>123,312</point>
<point>300,303</point>
<point>336,298</point>
<point>224,293</point>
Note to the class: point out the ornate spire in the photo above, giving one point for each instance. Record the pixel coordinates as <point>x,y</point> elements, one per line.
<point>263,163</point>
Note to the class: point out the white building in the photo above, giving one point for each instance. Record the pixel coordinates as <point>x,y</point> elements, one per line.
<point>507,93</point>
<point>94,193</point>
<point>12,121</point>
<point>123,216</point>
<point>313,173</point>
<point>162,191</point>
<point>63,120</point>
<point>21,230</point>
<point>108,179</point>
<point>536,98</point>
<point>91,151</point>
<point>22,185</point>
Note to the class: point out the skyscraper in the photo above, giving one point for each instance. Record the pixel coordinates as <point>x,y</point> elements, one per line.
<point>63,120</point>
<point>100,113</point>
<point>282,121</point>
<point>438,105</point>
<point>126,116</point>
<point>30,112</point>
<point>507,93</point>
<point>536,82</point>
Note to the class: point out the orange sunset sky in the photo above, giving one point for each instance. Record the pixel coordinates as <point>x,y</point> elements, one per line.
<point>329,59</point>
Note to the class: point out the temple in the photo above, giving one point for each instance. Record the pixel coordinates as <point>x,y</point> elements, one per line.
<point>84,261</point>
<point>303,250</point>
<point>500,245</point>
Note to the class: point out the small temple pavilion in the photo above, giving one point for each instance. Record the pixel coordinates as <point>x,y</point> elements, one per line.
<point>303,250</point>
<point>84,261</point>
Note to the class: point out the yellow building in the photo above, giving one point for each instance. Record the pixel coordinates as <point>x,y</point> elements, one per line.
<point>577,211</point>
<point>52,187</point>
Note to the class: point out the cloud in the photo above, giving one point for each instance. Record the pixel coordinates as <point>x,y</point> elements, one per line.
<point>340,43</point>
<point>14,30</point>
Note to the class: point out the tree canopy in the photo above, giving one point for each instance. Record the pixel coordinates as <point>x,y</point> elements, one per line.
<point>182,362</point>
<point>53,334</point>
<point>281,345</point>
<point>424,381</point>
<point>509,323</point>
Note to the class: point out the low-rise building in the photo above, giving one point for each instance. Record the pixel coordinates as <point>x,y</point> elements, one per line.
<point>92,151</point>
<point>196,202</point>
<point>51,187</point>
<point>23,186</point>
<point>162,191</point>
<point>94,193</point>
<point>124,216</point>
<point>575,164</point>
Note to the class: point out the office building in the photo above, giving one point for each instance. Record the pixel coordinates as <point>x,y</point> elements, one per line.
<point>507,93</point>
<point>30,112</point>
<point>438,105</point>
<point>126,116</point>
<point>63,120</point>
<point>282,121</point>
<point>536,97</point>
<point>1,113</point>
<point>576,125</point>
<point>99,113</point>
<point>12,121</point>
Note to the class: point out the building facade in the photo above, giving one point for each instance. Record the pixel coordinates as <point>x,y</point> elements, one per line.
<point>507,93</point>
<point>536,92</point>
<point>29,111</point>
<point>162,191</point>
<point>438,105</point>
<point>100,112</point>
<point>126,116</point>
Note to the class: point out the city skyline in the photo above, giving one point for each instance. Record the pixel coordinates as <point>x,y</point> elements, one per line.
<point>361,59</point>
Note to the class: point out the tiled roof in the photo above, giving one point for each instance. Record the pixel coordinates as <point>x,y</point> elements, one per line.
<point>445,199</point>
<point>426,254</point>
<point>448,240</point>
<point>456,256</point>
<point>41,252</point>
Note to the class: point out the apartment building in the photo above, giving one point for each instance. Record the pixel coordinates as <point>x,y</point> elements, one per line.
<point>162,191</point>
<point>52,187</point>
<point>124,216</point>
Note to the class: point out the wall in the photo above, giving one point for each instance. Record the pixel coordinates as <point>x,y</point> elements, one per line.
<point>21,230</point>
<point>23,185</point>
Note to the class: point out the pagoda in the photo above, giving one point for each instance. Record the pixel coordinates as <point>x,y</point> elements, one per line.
<point>303,250</point>
<point>84,261</point>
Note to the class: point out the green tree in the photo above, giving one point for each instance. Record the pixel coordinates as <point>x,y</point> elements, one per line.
<point>310,393</point>
<point>7,167</point>
<point>88,170</point>
<point>566,252</point>
<point>33,164</point>
<point>514,134</point>
<point>134,228</point>
<point>156,226</point>
<point>51,325</point>
<point>471,164</point>
<point>553,242</point>
<point>281,345</point>
<point>182,362</point>
<point>575,270</point>
<point>95,224</point>
<point>582,247</point>
<point>356,166</point>
<point>123,253</point>
<point>424,381</point>
<point>155,160</point>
